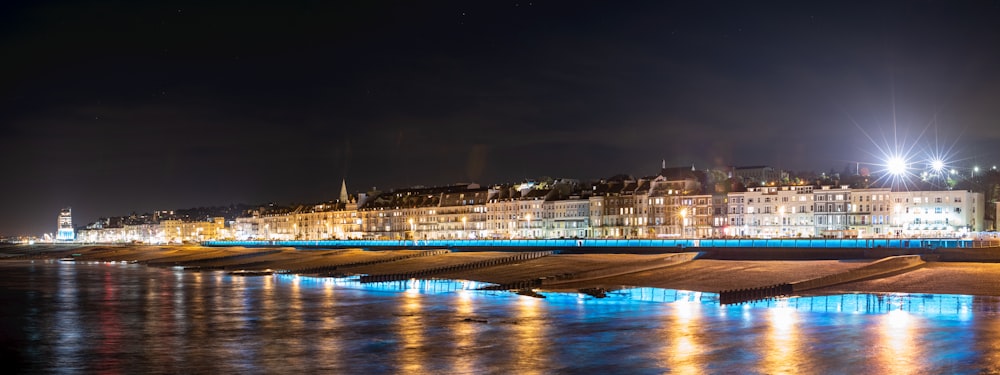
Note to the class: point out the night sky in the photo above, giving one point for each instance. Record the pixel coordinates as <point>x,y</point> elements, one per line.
<point>114,107</point>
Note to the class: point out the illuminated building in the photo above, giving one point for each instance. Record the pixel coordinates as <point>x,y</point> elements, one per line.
<point>65,225</point>
<point>943,213</point>
<point>569,218</point>
<point>672,204</point>
<point>830,205</point>
<point>179,231</point>
<point>869,212</point>
<point>772,212</point>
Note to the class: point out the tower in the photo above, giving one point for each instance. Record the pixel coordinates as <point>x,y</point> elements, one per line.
<point>343,191</point>
<point>65,232</point>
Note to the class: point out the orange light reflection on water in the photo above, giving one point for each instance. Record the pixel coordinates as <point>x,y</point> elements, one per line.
<point>464,334</point>
<point>529,332</point>
<point>782,343</point>
<point>684,347</point>
<point>895,348</point>
<point>410,330</point>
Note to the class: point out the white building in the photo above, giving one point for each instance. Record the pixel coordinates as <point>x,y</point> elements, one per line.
<point>569,218</point>
<point>945,213</point>
<point>772,212</point>
<point>870,211</point>
<point>830,205</point>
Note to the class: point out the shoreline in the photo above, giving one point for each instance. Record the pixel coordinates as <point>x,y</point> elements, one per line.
<point>562,272</point>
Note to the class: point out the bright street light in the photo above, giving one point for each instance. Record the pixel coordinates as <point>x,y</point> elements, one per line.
<point>937,165</point>
<point>896,166</point>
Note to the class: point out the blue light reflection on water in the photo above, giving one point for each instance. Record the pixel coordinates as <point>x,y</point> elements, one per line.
<point>123,318</point>
<point>950,305</point>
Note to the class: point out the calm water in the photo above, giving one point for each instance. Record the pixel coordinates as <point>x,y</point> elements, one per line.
<point>121,318</point>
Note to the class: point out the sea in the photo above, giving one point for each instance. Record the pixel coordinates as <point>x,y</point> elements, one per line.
<point>119,318</point>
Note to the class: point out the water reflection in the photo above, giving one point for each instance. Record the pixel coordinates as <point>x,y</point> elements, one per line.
<point>66,323</point>
<point>117,318</point>
<point>782,346</point>
<point>464,333</point>
<point>684,348</point>
<point>409,329</point>
<point>529,336</point>
<point>895,349</point>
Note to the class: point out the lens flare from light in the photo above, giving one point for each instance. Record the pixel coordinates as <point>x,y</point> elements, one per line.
<point>937,165</point>
<point>896,166</point>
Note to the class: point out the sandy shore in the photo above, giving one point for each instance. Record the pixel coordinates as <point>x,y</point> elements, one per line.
<point>706,275</point>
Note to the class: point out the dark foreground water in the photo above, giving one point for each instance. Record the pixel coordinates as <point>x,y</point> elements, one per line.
<point>124,318</point>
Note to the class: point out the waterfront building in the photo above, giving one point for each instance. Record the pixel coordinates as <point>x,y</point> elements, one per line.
<point>771,212</point>
<point>180,231</point>
<point>570,218</point>
<point>943,213</point>
<point>830,205</point>
<point>425,213</point>
<point>327,221</point>
<point>672,204</point>
<point>870,211</point>
<point>720,219</point>
<point>64,226</point>
<point>461,214</point>
<point>739,225</point>
<point>502,213</point>
<point>611,203</point>
<point>697,213</point>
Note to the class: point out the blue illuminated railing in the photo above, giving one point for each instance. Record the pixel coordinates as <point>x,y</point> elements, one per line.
<point>847,243</point>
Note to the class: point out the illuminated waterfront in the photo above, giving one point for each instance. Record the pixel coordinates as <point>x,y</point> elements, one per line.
<point>98,317</point>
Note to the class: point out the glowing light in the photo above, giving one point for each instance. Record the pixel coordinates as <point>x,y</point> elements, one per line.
<point>937,165</point>
<point>896,166</point>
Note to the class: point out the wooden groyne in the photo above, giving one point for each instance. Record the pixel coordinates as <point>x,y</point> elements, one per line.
<point>882,268</point>
<point>193,263</point>
<point>738,296</point>
<point>328,269</point>
<point>660,262</point>
<point>426,273</point>
<point>575,277</point>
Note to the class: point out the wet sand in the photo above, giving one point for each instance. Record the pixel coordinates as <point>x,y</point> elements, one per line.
<point>708,275</point>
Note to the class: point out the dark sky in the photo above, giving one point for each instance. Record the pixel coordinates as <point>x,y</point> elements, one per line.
<point>113,107</point>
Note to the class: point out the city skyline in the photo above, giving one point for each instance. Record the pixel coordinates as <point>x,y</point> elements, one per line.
<point>138,107</point>
<point>707,183</point>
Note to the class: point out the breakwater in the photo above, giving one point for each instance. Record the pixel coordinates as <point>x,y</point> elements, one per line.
<point>881,268</point>
<point>425,273</point>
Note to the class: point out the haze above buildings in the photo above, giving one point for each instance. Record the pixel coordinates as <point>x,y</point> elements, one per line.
<point>149,106</point>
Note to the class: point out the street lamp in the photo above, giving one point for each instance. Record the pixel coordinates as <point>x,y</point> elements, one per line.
<point>413,229</point>
<point>684,223</point>
<point>463,228</point>
<point>528,217</point>
<point>781,214</point>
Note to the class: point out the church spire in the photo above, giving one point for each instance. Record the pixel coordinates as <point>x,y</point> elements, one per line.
<point>343,191</point>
